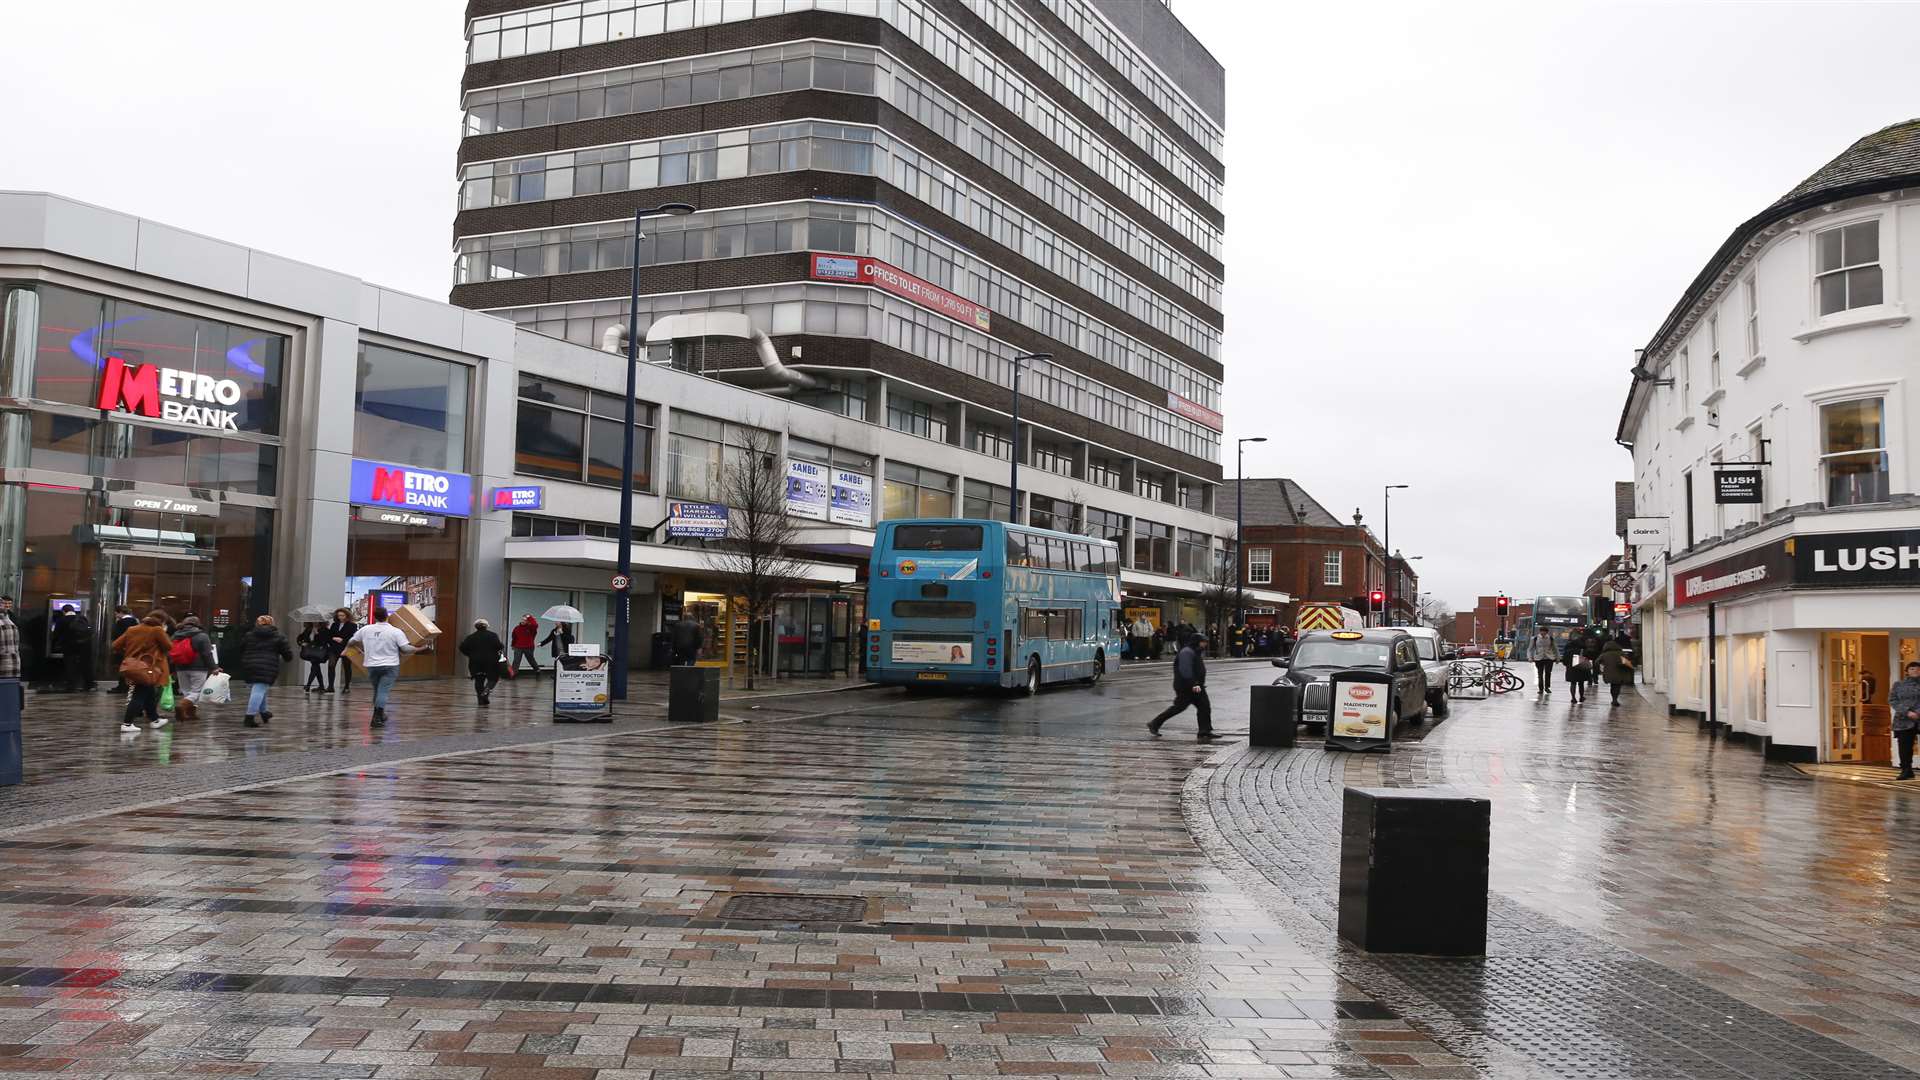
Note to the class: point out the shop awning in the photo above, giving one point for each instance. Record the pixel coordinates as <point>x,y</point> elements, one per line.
<point>835,540</point>
<point>1139,582</point>
<point>598,552</point>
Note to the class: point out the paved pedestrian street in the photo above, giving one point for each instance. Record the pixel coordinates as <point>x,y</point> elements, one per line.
<point>878,883</point>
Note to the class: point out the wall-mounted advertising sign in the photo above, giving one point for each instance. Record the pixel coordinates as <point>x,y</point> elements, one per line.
<point>1737,485</point>
<point>699,521</point>
<point>1882,557</point>
<point>861,270</point>
<point>129,499</point>
<point>407,487</point>
<point>1769,566</point>
<point>1195,412</point>
<point>852,499</point>
<point>1647,532</point>
<point>807,490</point>
<point>177,397</point>
<point>379,516</point>
<point>524,497</point>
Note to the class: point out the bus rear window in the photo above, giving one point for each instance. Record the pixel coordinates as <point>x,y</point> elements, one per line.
<point>938,537</point>
<point>933,609</point>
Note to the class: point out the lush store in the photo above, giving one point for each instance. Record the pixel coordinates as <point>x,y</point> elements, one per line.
<point>139,456</point>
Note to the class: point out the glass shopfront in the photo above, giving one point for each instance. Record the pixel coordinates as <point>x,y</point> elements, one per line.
<point>139,468</point>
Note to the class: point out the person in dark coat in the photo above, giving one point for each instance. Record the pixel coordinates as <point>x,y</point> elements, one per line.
<point>313,649</point>
<point>483,650</point>
<point>558,639</point>
<point>339,632</point>
<point>75,635</point>
<point>1615,668</point>
<point>1189,689</point>
<point>148,643</point>
<point>123,620</point>
<point>685,637</point>
<point>262,653</point>
<point>1903,700</point>
<point>1579,668</point>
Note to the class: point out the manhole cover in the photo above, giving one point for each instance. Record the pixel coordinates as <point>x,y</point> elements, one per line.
<point>780,907</point>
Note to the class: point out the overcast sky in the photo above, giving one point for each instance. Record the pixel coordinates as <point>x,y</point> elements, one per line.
<point>1448,226</point>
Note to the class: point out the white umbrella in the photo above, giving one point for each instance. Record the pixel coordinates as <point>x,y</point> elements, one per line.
<point>563,613</point>
<point>311,613</point>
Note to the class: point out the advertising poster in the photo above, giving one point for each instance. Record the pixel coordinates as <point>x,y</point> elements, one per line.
<point>700,521</point>
<point>807,490</point>
<point>933,652</point>
<point>852,499</point>
<point>580,689</point>
<point>1360,710</point>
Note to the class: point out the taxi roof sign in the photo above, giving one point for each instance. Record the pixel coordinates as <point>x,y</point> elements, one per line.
<point>1346,635</point>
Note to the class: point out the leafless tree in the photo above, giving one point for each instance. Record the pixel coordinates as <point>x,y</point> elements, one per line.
<point>1218,596</point>
<point>1435,613</point>
<point>755,559</point>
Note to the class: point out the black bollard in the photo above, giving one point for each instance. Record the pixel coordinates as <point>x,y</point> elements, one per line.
<point>1273,715</point>
<point>1413,871</point>
<point>12,762</point>
<point>693,694</point>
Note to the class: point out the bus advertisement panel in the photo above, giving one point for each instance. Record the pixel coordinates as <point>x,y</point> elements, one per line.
<point>978,602</point>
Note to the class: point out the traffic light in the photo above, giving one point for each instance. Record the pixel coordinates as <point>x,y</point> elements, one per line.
<point>1377,600</point>
<point>1501,603</point>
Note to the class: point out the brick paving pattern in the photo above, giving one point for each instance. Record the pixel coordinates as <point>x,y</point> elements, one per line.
<point>1035,906</point>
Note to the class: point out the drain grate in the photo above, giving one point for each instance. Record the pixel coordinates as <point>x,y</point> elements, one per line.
<point>792,907</point>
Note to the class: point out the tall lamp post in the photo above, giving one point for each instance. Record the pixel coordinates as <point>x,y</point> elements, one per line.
<point>1386,548</point>
<point>1013,507</point>
<point>1240,528</point>
<point>622,647</point>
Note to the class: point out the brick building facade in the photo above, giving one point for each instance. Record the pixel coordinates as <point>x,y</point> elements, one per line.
<point>1294,544</point>
<point>1482,622</point>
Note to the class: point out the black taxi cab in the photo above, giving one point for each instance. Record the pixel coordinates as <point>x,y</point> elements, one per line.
<point>1320,653</point>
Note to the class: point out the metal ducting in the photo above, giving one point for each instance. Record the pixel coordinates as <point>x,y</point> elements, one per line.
<point>700,324</point>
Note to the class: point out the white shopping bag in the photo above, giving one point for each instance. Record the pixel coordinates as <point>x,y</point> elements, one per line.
<point>218,690</point>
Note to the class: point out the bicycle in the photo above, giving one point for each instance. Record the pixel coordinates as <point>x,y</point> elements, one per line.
<point>1485,676</point>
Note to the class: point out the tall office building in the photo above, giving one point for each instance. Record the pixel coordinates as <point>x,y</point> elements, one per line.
<point>895,198</point>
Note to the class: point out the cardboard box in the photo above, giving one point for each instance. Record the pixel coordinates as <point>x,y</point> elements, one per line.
<point>414,623</point>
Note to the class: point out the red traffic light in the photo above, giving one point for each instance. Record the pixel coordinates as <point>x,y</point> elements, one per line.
<point>1501,603</point>
<point>1377,597</point>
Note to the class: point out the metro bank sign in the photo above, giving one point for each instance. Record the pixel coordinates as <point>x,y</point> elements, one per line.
<point>177,397</point>
<point>429,491</point>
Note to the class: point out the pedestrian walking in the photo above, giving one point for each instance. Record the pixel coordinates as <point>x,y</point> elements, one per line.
<point>1903,699</point>
<point>313,649</point>
<point>485,656</point>
<point>75,637</point>
<point>339,632</point>
<point>1579,669</point>
<point>381,646</point>
<point>1544,659</point>
<point>1615,668</point>
<point>524,635</point>
<point>191,656</point>
<point>262,653</point>
<point>10,647</point>
<point>146,668</point>
<point>123,620</point>
<point>560,640</point>
<point>685,637</point>
<point>1189,689</point>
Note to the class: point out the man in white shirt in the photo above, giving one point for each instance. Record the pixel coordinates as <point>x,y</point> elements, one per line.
<point>381,646</point>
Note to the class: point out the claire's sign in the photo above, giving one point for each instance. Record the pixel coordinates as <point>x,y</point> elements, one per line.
<point>862,270</point>
<point>177,397</point>
<point>408,487</point>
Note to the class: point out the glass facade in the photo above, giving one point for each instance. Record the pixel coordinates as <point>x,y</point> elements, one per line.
<point>410,409</point>
<point>570,433</point>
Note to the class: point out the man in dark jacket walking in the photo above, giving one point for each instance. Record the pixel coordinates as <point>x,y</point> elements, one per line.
<point>262,654</point>
<point>482,648</point>
<point>76,648</point>
<point>1903,700</point>
<point>123,620</point>
<point>1189,688</point>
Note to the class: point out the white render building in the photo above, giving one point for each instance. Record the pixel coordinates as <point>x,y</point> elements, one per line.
<point>1789,366</point>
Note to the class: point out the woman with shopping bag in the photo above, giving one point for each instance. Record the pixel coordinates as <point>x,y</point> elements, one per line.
<point>146,668</point>
<point>191,655</point>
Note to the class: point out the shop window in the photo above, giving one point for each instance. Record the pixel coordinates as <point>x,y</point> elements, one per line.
<point>1260,566</point>
<point>147,455</point>
<point>1854,451</point>
<point>410,408</point>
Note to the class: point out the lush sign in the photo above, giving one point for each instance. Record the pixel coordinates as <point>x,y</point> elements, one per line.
<point>1740,485</point>
<point>428,491</point>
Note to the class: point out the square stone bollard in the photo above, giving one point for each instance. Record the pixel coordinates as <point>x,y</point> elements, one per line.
<point>693,694</point>
<point>1413,871</point>
<point>1273,715</point>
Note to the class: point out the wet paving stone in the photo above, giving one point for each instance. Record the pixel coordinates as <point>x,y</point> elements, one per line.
<point>1035,907</point>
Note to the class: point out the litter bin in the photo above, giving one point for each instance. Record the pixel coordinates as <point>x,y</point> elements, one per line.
<point>1413,870</point>
<point>11,764</point>
<point>660,651</point>
<point>693,694</point>
<point>1274,715</point>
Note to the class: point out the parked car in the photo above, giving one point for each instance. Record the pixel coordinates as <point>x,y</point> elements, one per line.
<point>1434,662</point>
<point>1319,654</point>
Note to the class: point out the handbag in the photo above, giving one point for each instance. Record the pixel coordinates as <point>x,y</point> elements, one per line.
<point>139,672</point>
<point>505,667</point>
<point>313,654</point>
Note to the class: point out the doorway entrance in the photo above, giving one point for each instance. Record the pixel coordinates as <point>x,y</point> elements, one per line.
<point>179,585</point>
<point>812,634</point>
<point>1859,725</point>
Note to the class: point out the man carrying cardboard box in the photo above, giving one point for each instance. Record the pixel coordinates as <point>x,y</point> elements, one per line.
<point>379,646</point>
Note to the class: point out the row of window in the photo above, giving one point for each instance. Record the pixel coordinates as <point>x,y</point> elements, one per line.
<point>819,145</point>
<point>1124,58</point>
<point>856,312</point>
<point>1058,553</point>
<point>860,230</point>
<point>824,66</point>
<point>1053,624</point>
<point>531,525</point>
<point>569,433</point>
<point>566,25</point>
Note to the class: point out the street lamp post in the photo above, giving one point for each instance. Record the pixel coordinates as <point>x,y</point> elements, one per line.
<point>1240,527</point>
<point>1013,507</point>
<point>617,679</point>
<point>1386,547</point>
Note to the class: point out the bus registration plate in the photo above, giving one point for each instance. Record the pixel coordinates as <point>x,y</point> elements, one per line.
<point>931,676</point>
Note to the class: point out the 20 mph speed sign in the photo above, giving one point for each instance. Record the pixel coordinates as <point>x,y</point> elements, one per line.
<point>620,582</point>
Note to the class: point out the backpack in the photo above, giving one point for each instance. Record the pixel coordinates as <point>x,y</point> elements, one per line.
<point>182,654</point>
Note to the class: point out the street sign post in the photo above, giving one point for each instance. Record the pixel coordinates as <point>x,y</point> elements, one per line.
<point>621,582</point>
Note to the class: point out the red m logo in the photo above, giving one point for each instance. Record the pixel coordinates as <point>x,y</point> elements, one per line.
<point>134,387</point>
<point>389,486</point>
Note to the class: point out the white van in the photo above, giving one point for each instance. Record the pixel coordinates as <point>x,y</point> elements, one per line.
<point>1427,640</point>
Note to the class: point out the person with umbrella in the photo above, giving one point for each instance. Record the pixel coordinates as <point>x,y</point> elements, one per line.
<point>560,638</point>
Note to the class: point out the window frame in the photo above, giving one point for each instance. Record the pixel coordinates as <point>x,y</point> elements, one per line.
<point>1333,563</point>
<point>1260,566</point>
<point>1885,396</point>
<point>1846,269</point>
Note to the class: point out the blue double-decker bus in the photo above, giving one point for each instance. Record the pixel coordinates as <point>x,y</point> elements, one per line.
<point>984,603</point>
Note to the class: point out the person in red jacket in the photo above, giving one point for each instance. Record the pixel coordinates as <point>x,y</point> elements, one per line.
<point>525,634</point>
